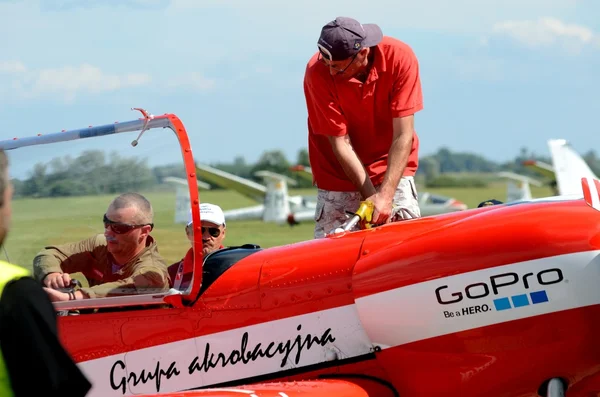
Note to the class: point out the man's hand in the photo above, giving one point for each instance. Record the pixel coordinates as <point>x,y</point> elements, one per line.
<point>56,296</point>
<point>353,168</point>
<point>57,280</point>
<point>383,207</point>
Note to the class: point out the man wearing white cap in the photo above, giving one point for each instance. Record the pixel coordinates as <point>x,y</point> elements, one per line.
<point>212,231</point>
<point>213,227</point>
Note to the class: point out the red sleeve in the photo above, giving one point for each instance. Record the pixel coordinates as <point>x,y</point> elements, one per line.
<point>325,116</point>
<point>407,97</point>
<point>188,261</point>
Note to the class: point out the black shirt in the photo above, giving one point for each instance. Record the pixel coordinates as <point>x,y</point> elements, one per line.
<point>36,362</point>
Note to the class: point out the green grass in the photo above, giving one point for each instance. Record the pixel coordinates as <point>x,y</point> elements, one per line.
<point>38,222</point>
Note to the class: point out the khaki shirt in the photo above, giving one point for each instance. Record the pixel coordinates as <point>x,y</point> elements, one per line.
<point>144,274</point>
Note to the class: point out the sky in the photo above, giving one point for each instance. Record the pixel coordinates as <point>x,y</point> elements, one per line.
<point>497,75</point>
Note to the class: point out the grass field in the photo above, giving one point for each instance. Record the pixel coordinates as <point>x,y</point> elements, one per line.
<point>37,222</point>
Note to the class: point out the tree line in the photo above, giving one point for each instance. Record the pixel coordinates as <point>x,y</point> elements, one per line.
<point>96,172</point>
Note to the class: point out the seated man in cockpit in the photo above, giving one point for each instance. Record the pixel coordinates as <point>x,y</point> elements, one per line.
<point>122,261</point>
<point>213,233</point>
<point>488,203</point>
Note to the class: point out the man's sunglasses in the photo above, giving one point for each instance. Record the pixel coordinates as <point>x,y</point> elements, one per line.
<point>122,228</point>
<point>213,231</point>
<point>325,54</point>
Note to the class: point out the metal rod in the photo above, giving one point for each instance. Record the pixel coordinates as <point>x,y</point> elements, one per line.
<point>89,132</point>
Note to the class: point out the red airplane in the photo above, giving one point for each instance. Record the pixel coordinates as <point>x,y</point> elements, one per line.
<point>494,301</point>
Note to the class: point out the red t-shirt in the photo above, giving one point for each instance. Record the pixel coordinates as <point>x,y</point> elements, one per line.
<point>363,111</point>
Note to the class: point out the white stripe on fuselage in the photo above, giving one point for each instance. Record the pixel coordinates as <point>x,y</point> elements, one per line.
<point>234,354</point>
<point>413,313</point>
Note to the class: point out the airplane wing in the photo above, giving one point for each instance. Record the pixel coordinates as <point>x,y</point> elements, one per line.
<point>273,195</point>
<point>304,215</point>
<point>544,169</point>
<point>275,177</point>
<point>244,214</point>
<point>518,186</point>
<point>248,188</point>
<point>183,182</point>
<point>434,204</point>
<point>303,171</point>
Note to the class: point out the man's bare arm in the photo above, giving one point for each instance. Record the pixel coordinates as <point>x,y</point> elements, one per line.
<point>398,154</point>
<point>397,159</point>
<point>353,167</point>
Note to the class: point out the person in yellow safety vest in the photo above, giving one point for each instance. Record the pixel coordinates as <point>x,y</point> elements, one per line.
<point>32,360</point>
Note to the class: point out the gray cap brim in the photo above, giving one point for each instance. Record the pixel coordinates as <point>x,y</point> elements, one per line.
<point>373,33</point>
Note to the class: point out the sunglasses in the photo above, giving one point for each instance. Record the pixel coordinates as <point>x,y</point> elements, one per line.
<point>213,231</point>
<point>122,228</point>
<point>324,54</point>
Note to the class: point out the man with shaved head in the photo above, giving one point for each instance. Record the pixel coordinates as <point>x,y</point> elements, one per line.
<point>122,261</point>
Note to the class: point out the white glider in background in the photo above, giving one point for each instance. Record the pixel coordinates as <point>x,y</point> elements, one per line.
<point>429,203</point>
<point>182,197</point>
<point>276,204</point>
<point>518,186</point>
<point>567,168</point>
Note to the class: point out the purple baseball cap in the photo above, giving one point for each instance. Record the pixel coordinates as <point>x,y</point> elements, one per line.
<point>344,37</point>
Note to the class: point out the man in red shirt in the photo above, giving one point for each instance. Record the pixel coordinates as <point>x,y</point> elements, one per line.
<point>362,90</point>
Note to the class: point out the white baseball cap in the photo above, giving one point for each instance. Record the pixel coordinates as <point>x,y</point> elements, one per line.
<point>210,213</point>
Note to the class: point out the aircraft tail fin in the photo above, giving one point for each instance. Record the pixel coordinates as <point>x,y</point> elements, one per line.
<point>277,206</point>
<point>543,169</point>
<point>569,167</point>
<point>226,180</point>
<point>591,192</point>
<point>518,186</point>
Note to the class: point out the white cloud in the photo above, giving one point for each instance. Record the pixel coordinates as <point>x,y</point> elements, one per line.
<point>66,82</point>
<point>548,32</point>
<point>10,67</point>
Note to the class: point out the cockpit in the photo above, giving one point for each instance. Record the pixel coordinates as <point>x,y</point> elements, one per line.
<point>218,262</point>
<point>70,217</point>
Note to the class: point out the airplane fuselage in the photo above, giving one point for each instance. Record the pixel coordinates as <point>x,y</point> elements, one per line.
<point>479,306</point>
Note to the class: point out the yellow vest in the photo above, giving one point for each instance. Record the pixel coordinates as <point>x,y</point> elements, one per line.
<point>8,272</point>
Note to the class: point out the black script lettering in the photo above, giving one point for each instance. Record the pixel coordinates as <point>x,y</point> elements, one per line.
<point>246,355</point>
<point>122,382</point>
<point>143,377</point>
